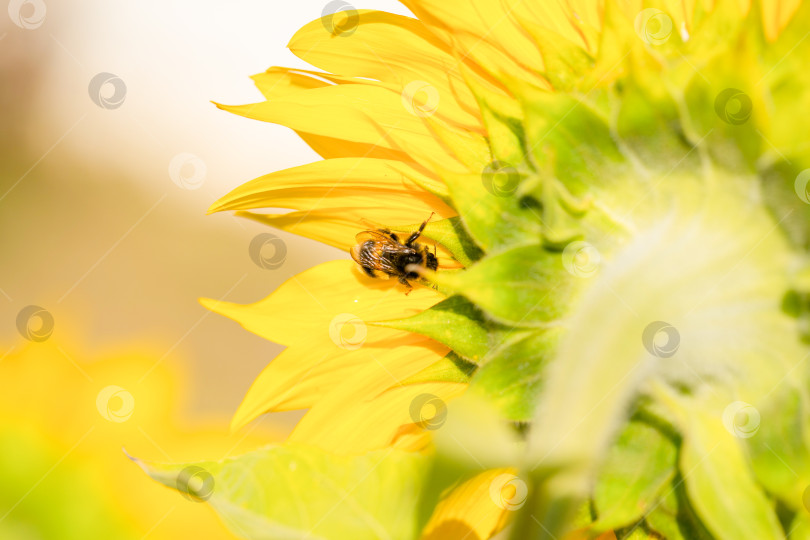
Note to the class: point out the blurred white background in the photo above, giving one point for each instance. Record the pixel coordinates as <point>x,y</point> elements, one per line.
<point>93,229</point>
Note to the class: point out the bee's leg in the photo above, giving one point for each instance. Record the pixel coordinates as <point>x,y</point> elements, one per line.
<point>412,238</point>
<point>404,281</point>
<point>368,270</point>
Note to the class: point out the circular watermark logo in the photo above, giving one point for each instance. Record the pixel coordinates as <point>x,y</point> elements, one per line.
<point>340,18</point>
<point>581,259</point>
<point>187,171</point>
<point>267,251</point>
<point>801,186</point>
<point>35,323</point>
<point>428,411</point>
<point>661,339</point>
<point>107,90</point>
<point>115,404</point>
<point>420,98</point>
<point>733,106</point>
<point>500,178</point>
<point>347,331</point>
<point>653,26</point>
<point>195,483</point>
<point>508,491</point>
<point>741,419</point>
<point>27,14</point>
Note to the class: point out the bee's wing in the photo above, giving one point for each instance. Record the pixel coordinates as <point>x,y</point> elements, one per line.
<point>377,236</point>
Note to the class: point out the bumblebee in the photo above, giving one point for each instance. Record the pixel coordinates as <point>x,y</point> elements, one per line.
<point>382,251</point>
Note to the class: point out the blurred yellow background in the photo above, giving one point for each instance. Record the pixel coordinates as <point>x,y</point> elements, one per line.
<point>111,153</point>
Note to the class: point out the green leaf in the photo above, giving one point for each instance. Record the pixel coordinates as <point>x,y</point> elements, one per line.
<point>451,368</point>
<point>523,286</point>
<point>511,375</point>
<point>298,492</point>
<point>638,467</point>
<point>455,321</point>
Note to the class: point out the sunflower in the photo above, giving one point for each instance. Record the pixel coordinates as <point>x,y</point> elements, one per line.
<point>620,208</point>
<point>64,418</point>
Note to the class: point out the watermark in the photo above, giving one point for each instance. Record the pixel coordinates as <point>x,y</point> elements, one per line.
<point>806,498</point>
<point>347,331</point>
<point>428,411</point>
<point>508,492</point>
<point>340,18</point>
<point>35,323</point>
<point>420,98</point>
<point>187,171</point>
<point>107,90</point>
<point>733,106</point>
<point>653,26</point>
<point>195,483</point>
<point>500,178</point>
<point>801,186</point>
<point>115,404</point>
<point>267,251</point>
<point>581,259</point>
<point>661,339</point>
<point>741,419</point>
<point>27,14</point>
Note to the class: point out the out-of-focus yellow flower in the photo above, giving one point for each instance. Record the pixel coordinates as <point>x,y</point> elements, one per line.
<point>64,422</point>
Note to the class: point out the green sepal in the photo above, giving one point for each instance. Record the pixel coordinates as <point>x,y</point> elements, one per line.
<point>639,467</point>
<point>299,492</point>
<point>454,321</point>
<point>673,518</point>
<point>523,286</point>
<point>451,368</point>
<point>719,481</point>
<point>490,208</point>
<point>511,376</point>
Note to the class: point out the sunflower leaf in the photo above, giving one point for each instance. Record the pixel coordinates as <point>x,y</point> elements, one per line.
<point>638,467</point>
<point>298,492</point>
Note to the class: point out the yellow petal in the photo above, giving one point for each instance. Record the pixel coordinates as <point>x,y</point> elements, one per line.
<point>371,420</point>
<point>468,512</point>
<point>305,373</point>
<point>338,227</point>
<point>360,113</point>
<point>486,31</point>
<point>332,147</point>
<point>360,183</point>
<point>394,49</point>
<point>278,81</point>
<point>776,14</point>
<point>307,307</point>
